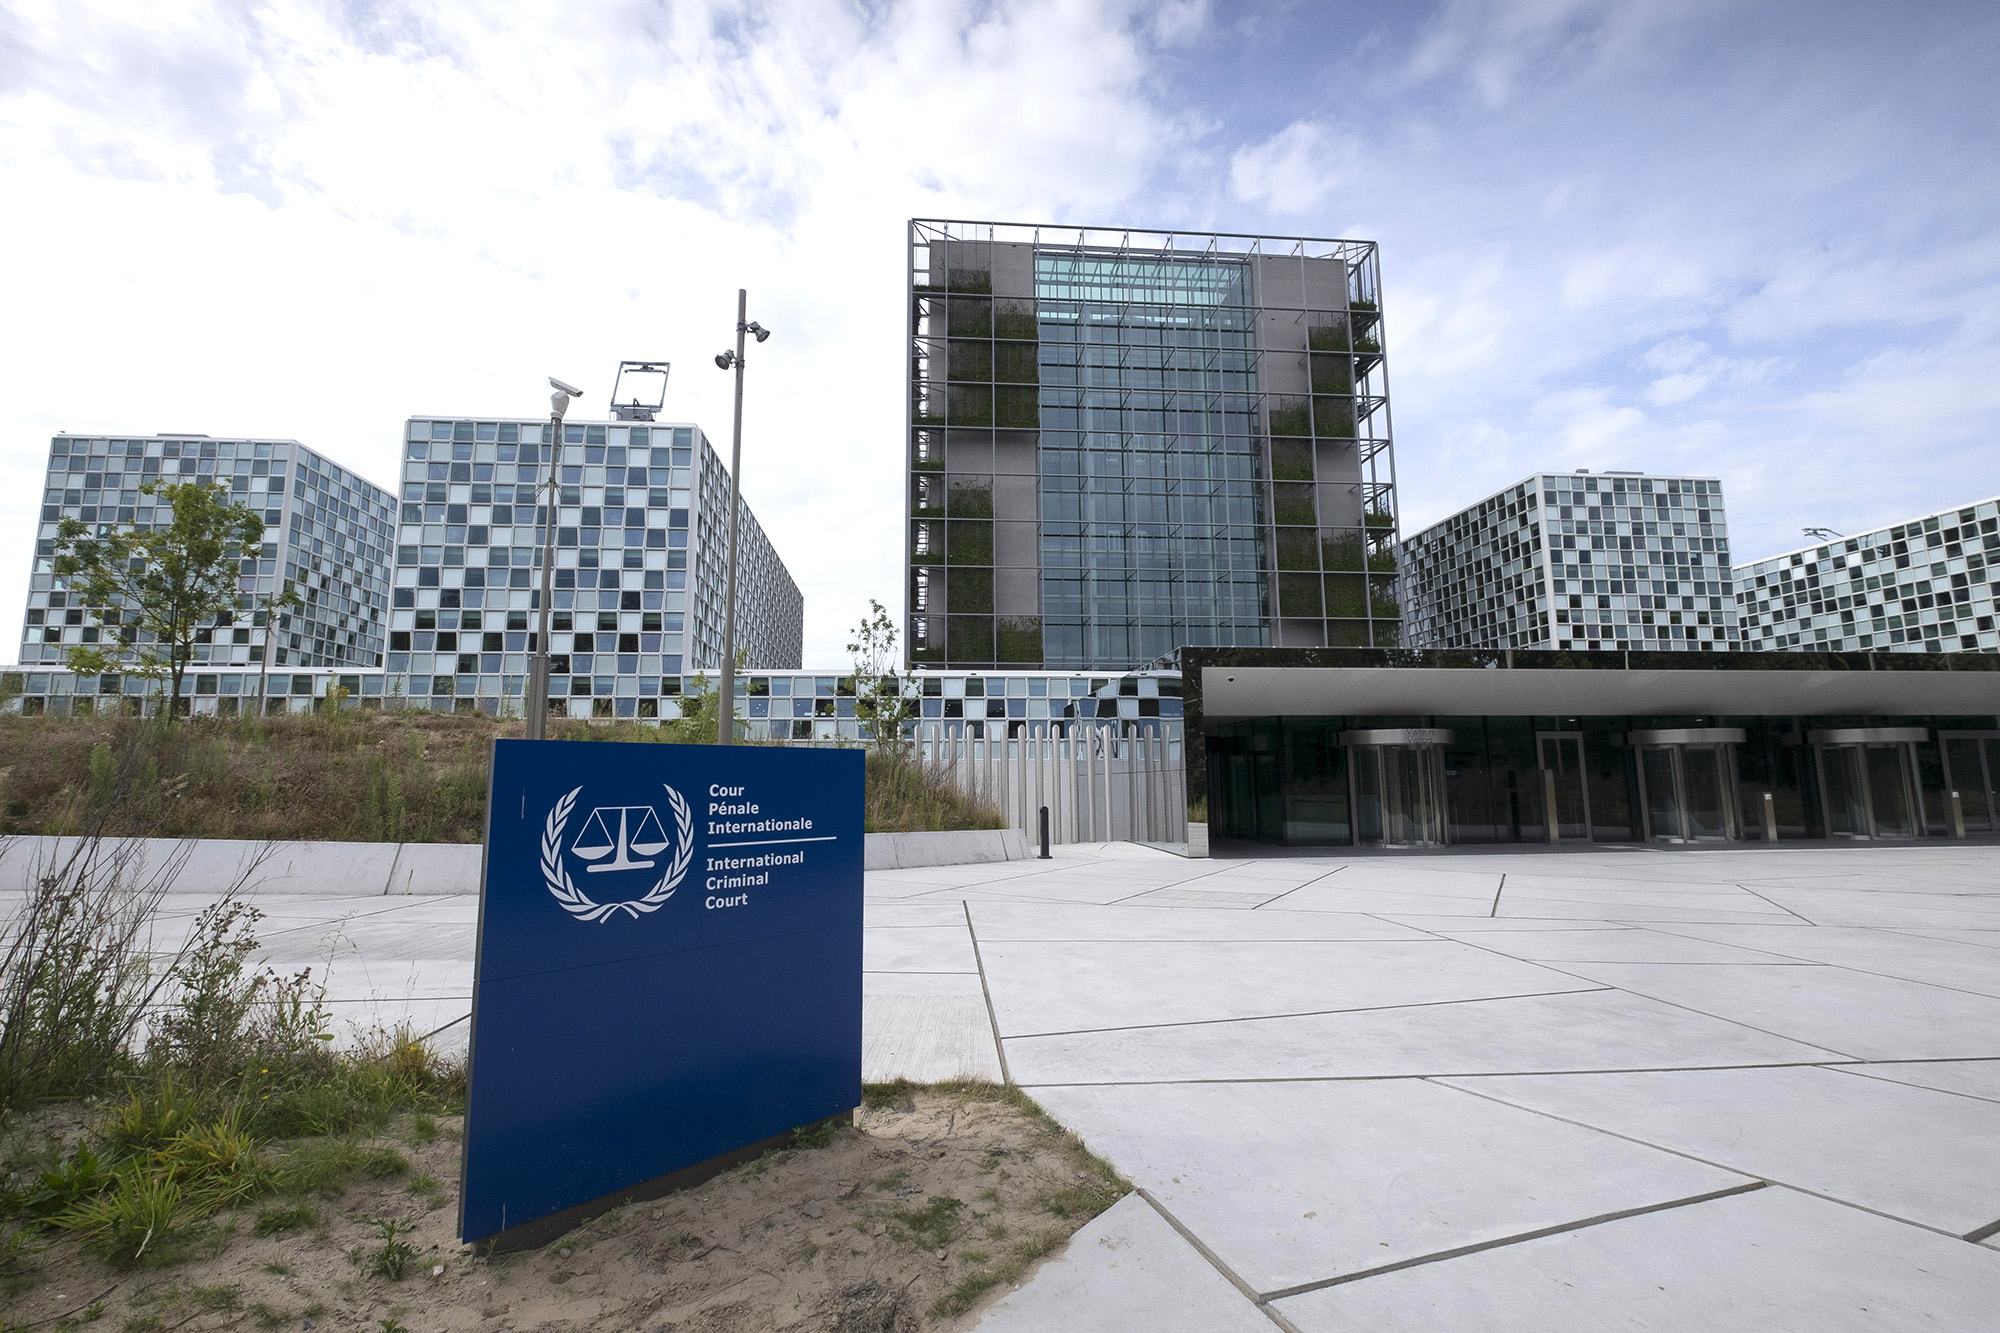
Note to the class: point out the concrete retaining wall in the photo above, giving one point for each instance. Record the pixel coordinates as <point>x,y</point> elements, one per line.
<point>371,869</point>
<point>901,851</point>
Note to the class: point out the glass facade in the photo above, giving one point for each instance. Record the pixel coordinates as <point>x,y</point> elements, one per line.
<point>1149,457</point>
<point>1926,586</point>
<point>1362,781</point>
<point>1126,442</point>
<point>326,529</point>
<point>641,542</point>
<point>1609,561</point>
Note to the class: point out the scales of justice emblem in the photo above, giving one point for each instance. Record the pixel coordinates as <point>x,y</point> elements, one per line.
<point>633,837</point>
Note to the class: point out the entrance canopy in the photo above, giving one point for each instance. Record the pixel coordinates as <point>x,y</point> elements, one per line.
<point>1787,686</point>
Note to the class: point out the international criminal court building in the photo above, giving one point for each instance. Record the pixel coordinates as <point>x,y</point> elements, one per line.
<point>1121,443</point>
<point>1149,476</point>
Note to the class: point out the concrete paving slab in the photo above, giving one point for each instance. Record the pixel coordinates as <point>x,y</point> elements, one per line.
<point>875,913</point>
<point>1747,910</point>
<point>1620,888</point>
<point>1924,1156</point>
<point>997,922</point>
<point>1387,903</point>
<point>1374,1173</point>
<point>1967,1078</point>
<point>1202,897</point>
<point>1989,939</point>
<point>1846,907</point>
<point>926,1038</point>
<point>1870,1017</point>
<point>1125,1270</point>
<point>1629,945</point>
<point>1595,1030</point>
<point>1468,926</point>
<point>1886,953</point>
<point>1774,1260</point>
<point>1061,987</point>
<point>917,949</point>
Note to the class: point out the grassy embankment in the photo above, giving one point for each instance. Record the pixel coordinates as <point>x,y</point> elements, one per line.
<point>347,776</point>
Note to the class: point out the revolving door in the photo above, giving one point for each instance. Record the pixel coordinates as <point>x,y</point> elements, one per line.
<point>1397,786</point>
<point>1868,781</point>
<point>1687,783</point>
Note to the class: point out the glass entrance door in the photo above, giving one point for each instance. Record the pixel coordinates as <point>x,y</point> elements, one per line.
<point>1846,799</point>
<point>1413,795</point>
<point>1399,795</point>
<point>1971,763</point>
<point>1705,784</point>
<point>1687,783</point>
<point>1868,778</point>
<point>1889,791</point>
<point>1561,757</point>
<point>1689,792</point>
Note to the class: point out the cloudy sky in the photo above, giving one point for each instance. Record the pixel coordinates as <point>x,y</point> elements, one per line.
<point>1756,240</point>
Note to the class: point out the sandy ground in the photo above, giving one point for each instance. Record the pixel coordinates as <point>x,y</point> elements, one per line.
<point>931,1192</point>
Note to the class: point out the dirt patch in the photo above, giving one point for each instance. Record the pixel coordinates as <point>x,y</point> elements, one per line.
<point>935,1201</point>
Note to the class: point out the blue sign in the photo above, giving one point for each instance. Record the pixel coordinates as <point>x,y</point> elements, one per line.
<point>669,965</point>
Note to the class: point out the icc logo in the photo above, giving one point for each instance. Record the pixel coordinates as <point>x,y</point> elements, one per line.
<point>618,840</point>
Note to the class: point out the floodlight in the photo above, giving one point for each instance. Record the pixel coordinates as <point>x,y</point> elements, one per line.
<point>724,360</point>
<point>758,329</point>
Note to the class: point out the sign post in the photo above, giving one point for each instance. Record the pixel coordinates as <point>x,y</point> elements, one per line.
<point>668,973</point>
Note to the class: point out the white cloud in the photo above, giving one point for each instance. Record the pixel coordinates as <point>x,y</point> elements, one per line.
<point>1297,169</point>
<point>1662,236</point>
<point>1687,367</point>
<point>312,220</point>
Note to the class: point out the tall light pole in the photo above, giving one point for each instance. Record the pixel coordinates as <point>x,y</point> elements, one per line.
<point>725,723</point>
<point>537,701</point>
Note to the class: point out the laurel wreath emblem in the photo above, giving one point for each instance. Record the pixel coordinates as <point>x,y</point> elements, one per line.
<point>579,904</point>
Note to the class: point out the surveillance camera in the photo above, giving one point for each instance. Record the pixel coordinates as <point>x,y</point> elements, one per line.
<point>560,387</point>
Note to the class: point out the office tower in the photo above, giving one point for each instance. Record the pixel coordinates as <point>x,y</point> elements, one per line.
<point>641,548</point>
<point>326,529</point>
<point>1123,442</point>
<point>1618,560</point>
<point>1924,586</point>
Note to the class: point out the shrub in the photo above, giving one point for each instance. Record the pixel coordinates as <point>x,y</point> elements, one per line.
<point>76,975</point>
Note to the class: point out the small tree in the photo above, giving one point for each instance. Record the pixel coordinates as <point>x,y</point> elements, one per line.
<point>153,589</point>
<point>700,709</point>
<point>878,693</point>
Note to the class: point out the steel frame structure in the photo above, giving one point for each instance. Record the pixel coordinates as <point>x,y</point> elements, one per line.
<point>1345,450</point>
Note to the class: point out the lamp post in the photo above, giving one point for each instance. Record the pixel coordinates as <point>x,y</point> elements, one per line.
<point>725,722</point>
<point>537,702</point>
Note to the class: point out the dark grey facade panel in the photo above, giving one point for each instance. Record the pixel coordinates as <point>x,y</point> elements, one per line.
<point>1124,442</point>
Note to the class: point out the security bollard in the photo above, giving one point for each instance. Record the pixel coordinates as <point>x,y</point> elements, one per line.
<point>1770,819</point>
<point>1045,834</point>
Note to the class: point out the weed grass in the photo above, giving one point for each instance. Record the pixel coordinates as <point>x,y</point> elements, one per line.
<point>344,776</point>
<point>906,795</point>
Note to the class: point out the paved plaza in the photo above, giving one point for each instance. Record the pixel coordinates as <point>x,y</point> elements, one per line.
<point>1571,1090</point>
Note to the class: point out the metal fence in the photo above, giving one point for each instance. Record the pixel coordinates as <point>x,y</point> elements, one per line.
<point>1100,783</point>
